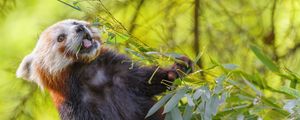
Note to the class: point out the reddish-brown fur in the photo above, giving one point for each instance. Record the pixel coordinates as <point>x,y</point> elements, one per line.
<point>56,84</point>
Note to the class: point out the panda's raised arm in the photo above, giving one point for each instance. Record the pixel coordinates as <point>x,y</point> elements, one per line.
<point>154,80</point>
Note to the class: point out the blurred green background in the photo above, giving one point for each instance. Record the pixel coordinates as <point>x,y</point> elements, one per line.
<point>21,22</point>
<point>214,30</point>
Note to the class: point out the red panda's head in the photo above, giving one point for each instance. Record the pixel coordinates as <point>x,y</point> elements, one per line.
<point>59,46</point>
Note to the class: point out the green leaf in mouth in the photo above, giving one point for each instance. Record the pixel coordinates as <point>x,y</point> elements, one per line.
<point>77,50</point>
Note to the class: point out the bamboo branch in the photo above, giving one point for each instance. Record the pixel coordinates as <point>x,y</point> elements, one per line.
<point>196,32</point>
<point>135,16</point>
<point>274,48</point>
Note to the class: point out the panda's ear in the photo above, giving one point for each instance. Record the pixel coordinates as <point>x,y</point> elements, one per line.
<point>25,68</point>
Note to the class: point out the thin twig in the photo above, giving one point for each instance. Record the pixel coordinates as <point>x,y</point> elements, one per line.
<point>197,35</point>
<point>74,7</point>
<point>274,48</point>
<point>196,31</point>
<point>135,16</point>
<point>110,14</point>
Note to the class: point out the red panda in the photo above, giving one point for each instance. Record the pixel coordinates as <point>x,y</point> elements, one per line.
<point>88,81</point>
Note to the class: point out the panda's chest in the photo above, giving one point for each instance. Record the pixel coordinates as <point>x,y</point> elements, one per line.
<point>95,78</point>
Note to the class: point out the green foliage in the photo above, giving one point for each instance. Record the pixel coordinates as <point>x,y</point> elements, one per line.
<point>248,49</point>
<point>264,59</point>
<point>6,6</point>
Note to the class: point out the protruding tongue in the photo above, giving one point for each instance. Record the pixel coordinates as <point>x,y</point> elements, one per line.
<point>86,43</point>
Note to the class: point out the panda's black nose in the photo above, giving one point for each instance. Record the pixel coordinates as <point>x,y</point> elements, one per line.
<point>80,28</point>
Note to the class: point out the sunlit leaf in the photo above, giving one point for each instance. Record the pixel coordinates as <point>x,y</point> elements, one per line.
<point>139,46</point>
<point>174,55</point>
<point>215,62</point>
<point>240,117</point>
<point>75,3</point>
<point>168,116</point>
<point>176,114</point>
<point>258,92</point>
<point>189,100</point>
<point>122,38</point>
<point>159,104</point>
<point>290,105</point>
<point>207,94</point>
<point>177,82</point>
<point>72,6</point>
<point>175,99</point>
<point>293,92</point>
<point>219,87</point>
<point>134,53</point>
<point>237,107</point>
<point>212,105</point>
<point>230,66</point>
<point>198,93</point>
<point>188,112</point>
<point>223,97</point>
<point>264,59</point>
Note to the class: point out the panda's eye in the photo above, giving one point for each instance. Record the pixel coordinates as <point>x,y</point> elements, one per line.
<point>61,37</point>
<point>75,23</point>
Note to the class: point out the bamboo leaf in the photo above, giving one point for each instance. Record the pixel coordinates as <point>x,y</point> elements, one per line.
<point>258,92</point>
<point>176,114</point>
<point>219,87</point>
<point>189,100</point>
<point>212,106</point>
<point>230,66</point>
<point>264,59</point>
<point>174,100</point>
<point>159,104</point>
<point>290,105</point>
<point>198,93</point>
<point>74,6</point>
<point>188,112</point>
<point>293,92</point>
<point>168,116</point>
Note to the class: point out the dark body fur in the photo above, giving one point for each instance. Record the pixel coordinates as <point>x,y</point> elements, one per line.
<point>110,88</point>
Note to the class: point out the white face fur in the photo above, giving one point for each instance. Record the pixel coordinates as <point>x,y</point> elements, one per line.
<point>60,45</point>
